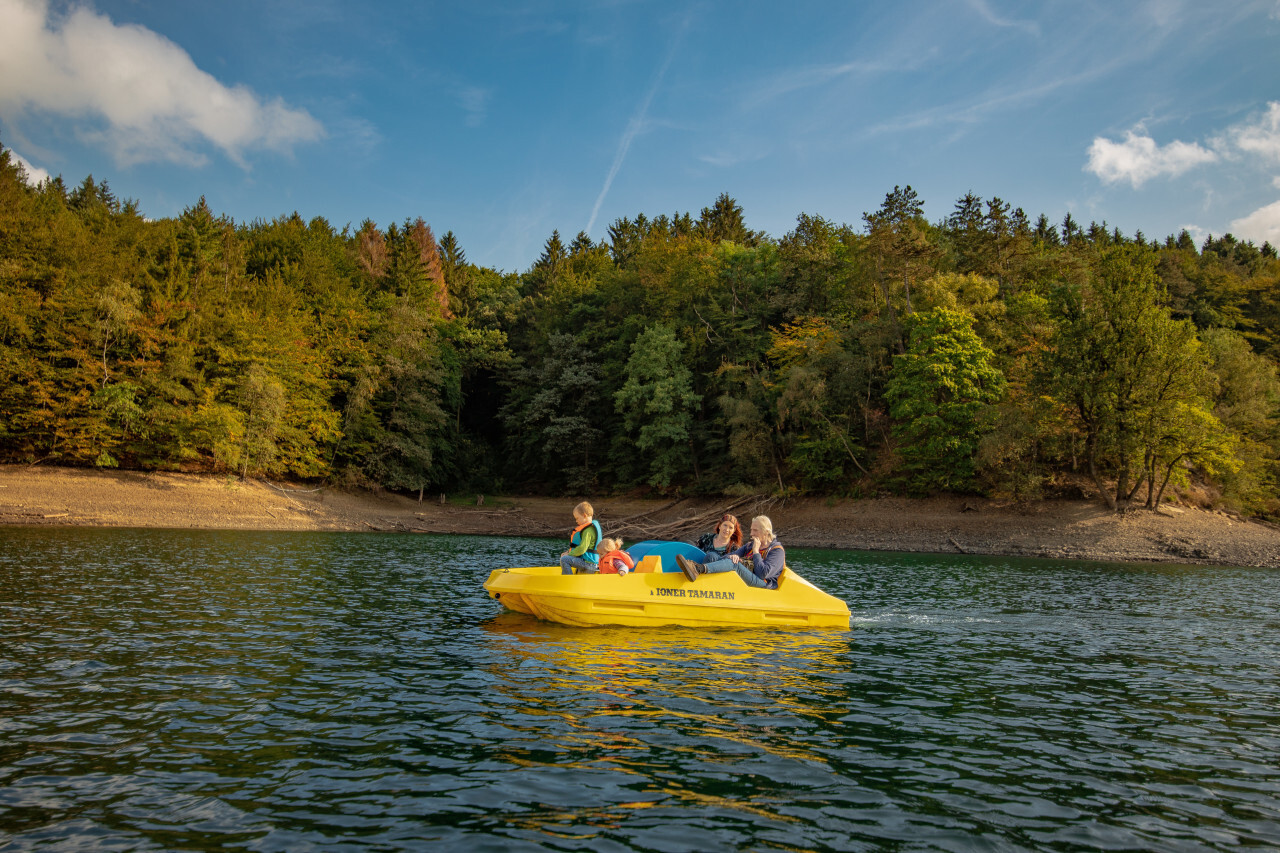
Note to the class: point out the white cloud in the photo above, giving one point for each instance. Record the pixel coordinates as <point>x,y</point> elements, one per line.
<point>1263,225</point>
<point>990,16</point>
<point>35,175</point>
<point>1165,13</point>
<point>132,90</point>
<point>1261,136</point>
<point>1138,158</point>
<point>1198,235</point>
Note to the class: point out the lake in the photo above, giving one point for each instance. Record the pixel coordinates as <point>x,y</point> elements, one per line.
<point>200,690</point>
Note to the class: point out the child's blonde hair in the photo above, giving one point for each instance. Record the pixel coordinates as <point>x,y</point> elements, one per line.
<point>607,545</point>
<point>584,508</point>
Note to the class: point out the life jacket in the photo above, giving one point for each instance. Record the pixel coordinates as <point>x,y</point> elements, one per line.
<point>764,555</point>
<point>591,555</point>
<point>610,563</point>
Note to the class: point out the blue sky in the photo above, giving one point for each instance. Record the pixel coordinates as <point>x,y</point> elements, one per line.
<point>502,121</point>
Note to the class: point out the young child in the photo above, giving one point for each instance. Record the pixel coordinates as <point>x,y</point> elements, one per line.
<point>613,560</point>
<point>583,555</point>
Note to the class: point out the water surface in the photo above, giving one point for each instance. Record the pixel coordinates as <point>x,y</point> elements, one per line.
<point>292,691</point>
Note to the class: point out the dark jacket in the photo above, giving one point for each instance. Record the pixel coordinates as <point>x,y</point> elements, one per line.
<point>769,565</point>
<point>707,545</point>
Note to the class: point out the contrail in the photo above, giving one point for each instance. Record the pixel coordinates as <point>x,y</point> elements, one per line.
<point>636,124</point>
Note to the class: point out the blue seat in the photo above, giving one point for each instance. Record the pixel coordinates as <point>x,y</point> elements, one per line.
<point>666,551</point>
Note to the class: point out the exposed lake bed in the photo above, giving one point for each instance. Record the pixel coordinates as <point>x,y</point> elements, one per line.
<point>169,689</point>
<point>1077,529</point>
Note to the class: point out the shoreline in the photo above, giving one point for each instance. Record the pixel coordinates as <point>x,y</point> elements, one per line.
<point>1057,529</point>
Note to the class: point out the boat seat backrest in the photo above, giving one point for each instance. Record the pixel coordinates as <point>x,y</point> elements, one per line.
<point>651,563</point>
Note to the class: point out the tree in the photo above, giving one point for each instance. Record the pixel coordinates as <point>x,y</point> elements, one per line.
<point>552,415</point>
<point>457,275</point>
<point>816,381</point>
<point>817,265</point>
<point>394,411</point>
<point>1071,233</point>
<point>262,403</point>
<point>1046,233</point>
<point>965,228</point>
<point>1185,431</point>
<point>937,393</point>
<point>422,240</point>
<point>1246,400</point>
<point>1121,363</point>
<point>553,255</point>
<point>900,246</point>
<point>723,221</point>
<point>116,309</point>
<point>657,404</point>
<point>371,250</point>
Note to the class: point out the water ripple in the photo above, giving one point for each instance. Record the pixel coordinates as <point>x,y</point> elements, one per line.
<point>279,691</point>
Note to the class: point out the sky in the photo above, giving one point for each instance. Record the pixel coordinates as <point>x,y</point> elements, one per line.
<point>504,121</point>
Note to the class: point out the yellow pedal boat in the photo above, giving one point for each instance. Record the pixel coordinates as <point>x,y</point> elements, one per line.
<point>651,598</point>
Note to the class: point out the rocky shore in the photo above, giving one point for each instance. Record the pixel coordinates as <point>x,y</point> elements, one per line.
<point>1078,530</point>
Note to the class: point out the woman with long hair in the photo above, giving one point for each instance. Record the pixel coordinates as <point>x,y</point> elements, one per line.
<point>725,538</point>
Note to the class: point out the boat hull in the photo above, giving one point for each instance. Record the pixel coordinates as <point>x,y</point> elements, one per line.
<point>663,598</point>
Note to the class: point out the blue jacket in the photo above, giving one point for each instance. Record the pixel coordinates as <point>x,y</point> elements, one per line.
<point>769,565</point>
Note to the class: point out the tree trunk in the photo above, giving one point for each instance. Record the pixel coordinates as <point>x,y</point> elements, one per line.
<point>1138,485</point>
<point>1151,480</point>
<point>1091,454</point>
<point>693,457</point>
<point>1121,501</point>
<point>1168,472</point>
<point>106,337</point>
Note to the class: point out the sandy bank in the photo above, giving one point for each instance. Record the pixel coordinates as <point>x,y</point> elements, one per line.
<point>1058,529</point>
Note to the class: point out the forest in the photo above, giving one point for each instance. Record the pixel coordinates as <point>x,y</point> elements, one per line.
<point>983,353</point>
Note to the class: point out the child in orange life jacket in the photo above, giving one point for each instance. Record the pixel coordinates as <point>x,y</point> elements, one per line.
<point>613,560</point>
<point>583,554</point>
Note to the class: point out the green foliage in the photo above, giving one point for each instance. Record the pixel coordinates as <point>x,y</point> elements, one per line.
<point>938,393</point>
<point>1123,367</point>
<point>394,411</point>
<point>818,409</point>
<point>656,404</point>
<point>1247,403</point>
<point>684,352</point>
<point>553,416</point>
<point>262,403</point>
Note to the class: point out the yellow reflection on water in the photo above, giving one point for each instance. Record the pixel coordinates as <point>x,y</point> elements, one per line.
<point>735,692</point>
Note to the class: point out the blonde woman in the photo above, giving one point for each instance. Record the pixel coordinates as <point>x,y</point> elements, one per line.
<point>759,562</point>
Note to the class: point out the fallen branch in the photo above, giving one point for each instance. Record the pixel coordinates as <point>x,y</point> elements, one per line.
<point>295,491</point>
<point>690,526</point>
<point>651,512</point>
